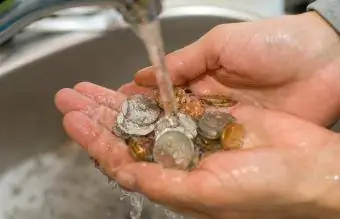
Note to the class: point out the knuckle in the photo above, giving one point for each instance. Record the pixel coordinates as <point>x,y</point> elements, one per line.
<point>81,84</point>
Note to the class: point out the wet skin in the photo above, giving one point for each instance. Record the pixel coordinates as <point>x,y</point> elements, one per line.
<point>292,169</point>
<point>289,63</point>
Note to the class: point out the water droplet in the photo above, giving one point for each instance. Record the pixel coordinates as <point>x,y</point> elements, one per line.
<point>235,172</point>
<point>177,179</point>
<point>333,178</point>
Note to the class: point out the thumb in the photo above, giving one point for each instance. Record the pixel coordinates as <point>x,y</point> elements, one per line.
<point>189,62</point>
<point>167,186</point>
<point>217,181</point>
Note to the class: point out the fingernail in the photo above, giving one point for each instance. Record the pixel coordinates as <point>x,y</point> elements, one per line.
<point>126,179</point>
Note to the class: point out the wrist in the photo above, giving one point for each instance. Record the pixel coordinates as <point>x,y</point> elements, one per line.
<point>327,58</point>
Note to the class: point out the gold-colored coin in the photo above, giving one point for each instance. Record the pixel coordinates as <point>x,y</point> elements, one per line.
<point>181,96</point>
<point>218,100</point>
<point>233,136</point>
<point>141,148</point>
<point>193,108</point>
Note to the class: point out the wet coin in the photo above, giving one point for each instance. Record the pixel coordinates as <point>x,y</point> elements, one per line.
<point>193,107</point>
<point>141,110</point>
<point>233,136</point>
<point>212,123</point>
<point>180,97</point>
<point>118,132</point>
<point>130,128</point>
<point>166,122</point>
<point>141,148</point>
<point>218,100</point>
<point>174,149</point>
<point>195,161</point>
<point>207,145</point>
<point>188,124</point>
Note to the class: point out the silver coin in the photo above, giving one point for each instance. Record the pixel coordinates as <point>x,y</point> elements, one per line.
<point>118,132</point>
<point>211,125</point>
<point>206,145</point>
<point>188,124</point>
<point>131,128</point>
<point>166,122</point>
<point>174,149</point>
<point>141,110</point>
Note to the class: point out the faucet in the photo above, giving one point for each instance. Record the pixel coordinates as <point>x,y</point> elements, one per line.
<point>17,14</point>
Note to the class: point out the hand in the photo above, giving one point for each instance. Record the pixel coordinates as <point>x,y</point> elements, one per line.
<point>292,171</point>
<point>289,63</point>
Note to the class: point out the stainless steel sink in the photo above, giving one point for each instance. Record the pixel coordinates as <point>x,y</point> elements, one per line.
<point>43,174</point>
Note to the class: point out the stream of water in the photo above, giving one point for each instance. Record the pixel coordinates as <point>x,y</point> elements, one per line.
<point>150,34</point>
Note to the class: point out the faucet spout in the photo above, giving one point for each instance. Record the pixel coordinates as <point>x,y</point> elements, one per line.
<point>17,14</point>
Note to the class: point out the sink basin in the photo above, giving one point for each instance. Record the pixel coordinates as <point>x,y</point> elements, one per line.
<point>42,173</point>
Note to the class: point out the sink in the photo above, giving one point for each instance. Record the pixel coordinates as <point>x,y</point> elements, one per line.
<point>42,173</point>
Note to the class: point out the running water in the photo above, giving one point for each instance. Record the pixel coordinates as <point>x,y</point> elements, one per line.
<point>150,33</point>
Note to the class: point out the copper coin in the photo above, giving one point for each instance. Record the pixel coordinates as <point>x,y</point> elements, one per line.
<point>180,97</point>
<point>141,148</point>
<point>194,108</point>
<point>233,136</point>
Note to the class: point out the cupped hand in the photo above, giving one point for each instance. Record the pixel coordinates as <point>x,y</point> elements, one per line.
<point>292,170</point>
<point>290,63</point>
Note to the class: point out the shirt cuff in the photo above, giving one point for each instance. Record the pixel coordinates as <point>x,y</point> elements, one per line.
<point>329,10</point>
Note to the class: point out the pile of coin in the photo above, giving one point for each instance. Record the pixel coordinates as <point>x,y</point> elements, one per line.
<point>179,141</point>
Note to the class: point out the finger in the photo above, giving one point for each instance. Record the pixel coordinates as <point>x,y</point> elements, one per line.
<point>207,85</point>
<point>101,95</point>
<point>190,62</point>
<point>223,179</point>
<point>68,100</point>
<point>109,150</point>
<point>132,88</point>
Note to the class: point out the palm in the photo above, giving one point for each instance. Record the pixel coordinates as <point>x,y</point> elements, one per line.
<point>278,168</point>
<point>266,64</point>
<point>222,181</point>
